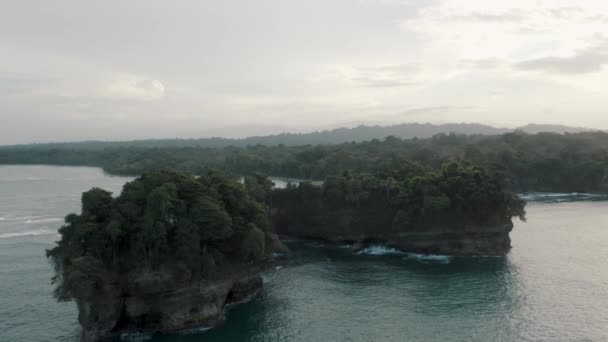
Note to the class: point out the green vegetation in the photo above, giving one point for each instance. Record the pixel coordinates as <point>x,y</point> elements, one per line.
<point>191,227</point>
<point>355,205</point>
<point>540,162</point>
<point>203,228</point>
<point>334,136</point>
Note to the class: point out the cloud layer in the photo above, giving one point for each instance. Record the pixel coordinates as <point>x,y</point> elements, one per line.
<point>136,69</point>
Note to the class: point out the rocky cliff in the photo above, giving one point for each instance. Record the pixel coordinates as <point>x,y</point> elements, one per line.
<point>458,209</point>
<point>448,238</point>
<point>156,303</point>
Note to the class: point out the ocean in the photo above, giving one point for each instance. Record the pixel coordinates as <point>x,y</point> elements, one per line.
<point>552,286</point>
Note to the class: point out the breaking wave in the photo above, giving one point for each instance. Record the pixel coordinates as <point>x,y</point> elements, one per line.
<point>423,258</point>
<point>556,197</point>
<point>429,258</point>
<point>36,219</point>
<point>44,220</point>
<point>380,250</point>
<point>27,233</point>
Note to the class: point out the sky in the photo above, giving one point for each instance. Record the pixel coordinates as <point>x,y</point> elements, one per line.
<point>116,70</point>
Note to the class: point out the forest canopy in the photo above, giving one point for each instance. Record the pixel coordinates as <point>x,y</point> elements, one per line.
<point>196,226</point>
<point>527,162</point>
<point>453,196</point>
<point>209,226</point>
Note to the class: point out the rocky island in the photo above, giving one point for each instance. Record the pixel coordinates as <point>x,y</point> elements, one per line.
<point>173,250</point>
<point>168,254</point>
<point>456,210</point>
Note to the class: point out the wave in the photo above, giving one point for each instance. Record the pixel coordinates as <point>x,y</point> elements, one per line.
<point>428,258</point>
<point>423,258</point>
<point>380,250</point>
<point>33,179</point>
<point>554,197</point>
<point>44,220</point>
<point>28,233</point>
<point>21,218</point>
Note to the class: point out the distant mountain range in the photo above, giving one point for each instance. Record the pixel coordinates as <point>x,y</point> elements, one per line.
<point>334,136</point>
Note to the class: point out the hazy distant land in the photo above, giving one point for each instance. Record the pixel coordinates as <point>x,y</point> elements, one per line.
<point>333,136</point>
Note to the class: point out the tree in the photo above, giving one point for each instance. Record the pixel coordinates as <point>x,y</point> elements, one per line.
<point>163,220</point>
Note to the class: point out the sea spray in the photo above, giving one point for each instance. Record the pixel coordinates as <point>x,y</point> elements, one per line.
<point>44,220</point>
<point>379,250</point>
<point>557,197</point>
<point>28,233</point>
<point>428,258</point>
<point>423,258</point>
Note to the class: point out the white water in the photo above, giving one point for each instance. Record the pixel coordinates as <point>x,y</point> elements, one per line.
<point>28,233</point>
<point>423,258</point>
<point>561,196</point>
<point>44,220</point>
<point>426,258</point>
<point>380,250</point>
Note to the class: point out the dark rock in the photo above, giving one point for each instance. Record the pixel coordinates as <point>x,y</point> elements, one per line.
<point>156,305</point>
<point>448,239</point>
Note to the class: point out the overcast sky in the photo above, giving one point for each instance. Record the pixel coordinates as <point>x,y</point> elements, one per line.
<point>116,69</point>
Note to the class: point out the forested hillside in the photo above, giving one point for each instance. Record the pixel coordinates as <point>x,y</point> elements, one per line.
<point>527,162</point>
<point>334,136</point>
<point>196,227</point>
<point>373,206</point>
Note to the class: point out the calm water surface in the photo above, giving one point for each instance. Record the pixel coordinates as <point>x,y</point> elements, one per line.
<point>553,286</point>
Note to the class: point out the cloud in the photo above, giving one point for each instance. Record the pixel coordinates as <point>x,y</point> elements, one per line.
<point>212,64</point>
<point>19,84</point>
<point>483,64</point>
<point>433,110</point>
<point>587,60</point>
<point>510,30</point>
<point>381,75</point>
<point>565,12</point>
<point>145,89</point>
<point>501,17</point>
<point>383,83</point>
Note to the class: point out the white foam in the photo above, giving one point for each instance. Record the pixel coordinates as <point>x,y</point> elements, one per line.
<point>27,233</point>
<point>32,178</point>
<point>426,258</point>
<point>21,218</point>
<point>380,250</point>
<point>44,220</point>
<point>559,196</point>
<point>193,331</point>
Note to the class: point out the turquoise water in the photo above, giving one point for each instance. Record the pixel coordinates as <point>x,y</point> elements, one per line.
<point>553,286</point>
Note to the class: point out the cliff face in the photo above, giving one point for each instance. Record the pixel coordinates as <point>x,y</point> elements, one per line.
<point>447,238</point>
<point>156,303</point>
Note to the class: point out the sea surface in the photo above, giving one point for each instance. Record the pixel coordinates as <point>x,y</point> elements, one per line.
<point>553,285</point>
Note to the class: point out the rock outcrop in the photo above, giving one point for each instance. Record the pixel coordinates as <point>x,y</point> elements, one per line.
<point>156,303</point>
<point>449,239</point>
<point>457,210</point>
